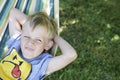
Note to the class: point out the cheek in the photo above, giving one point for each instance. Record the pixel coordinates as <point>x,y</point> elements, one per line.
<point>39,48</point>
<point>23,42</point>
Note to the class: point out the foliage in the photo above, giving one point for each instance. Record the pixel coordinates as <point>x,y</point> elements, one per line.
<point>92,28</point>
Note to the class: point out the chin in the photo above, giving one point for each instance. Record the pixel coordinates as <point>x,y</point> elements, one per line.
<point>27,54</point>
<point>28,57</point>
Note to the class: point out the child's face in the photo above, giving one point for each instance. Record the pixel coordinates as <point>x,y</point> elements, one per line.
<point>34,41</point>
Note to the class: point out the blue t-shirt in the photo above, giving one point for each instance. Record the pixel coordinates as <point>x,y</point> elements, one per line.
<point>39,64</point>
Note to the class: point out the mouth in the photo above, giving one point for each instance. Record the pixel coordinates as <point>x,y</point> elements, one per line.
<point>29,49</point>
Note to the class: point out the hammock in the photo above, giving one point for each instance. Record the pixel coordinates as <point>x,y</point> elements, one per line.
<point>28,7</point>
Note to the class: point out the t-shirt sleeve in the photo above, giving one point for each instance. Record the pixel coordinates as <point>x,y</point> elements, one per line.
<point>44,67</point>
<point>12,40</point>
<point>39,67</point>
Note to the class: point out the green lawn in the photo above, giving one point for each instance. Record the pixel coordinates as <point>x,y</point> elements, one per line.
<point>92,27</point>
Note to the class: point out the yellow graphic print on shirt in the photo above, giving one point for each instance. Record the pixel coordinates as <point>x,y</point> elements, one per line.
<point>13,67</point>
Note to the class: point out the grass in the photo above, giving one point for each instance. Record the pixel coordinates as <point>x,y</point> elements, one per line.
<point>92,27</point>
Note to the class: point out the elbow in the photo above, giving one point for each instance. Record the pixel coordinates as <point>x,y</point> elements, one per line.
<point>73,56</point>
<point>11,11</point>
<point>11,14</point>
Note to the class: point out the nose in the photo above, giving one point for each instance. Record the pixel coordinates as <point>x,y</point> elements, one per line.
<point>31,42</point>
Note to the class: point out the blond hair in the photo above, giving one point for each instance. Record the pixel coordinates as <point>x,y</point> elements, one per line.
<point>41,18</point>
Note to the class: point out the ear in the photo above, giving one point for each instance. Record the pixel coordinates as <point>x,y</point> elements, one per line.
<point>49,45</point>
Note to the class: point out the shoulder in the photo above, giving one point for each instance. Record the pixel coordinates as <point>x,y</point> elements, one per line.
<point>13,42</point>
<point>41,59</point>
<point>14,38</point>
<point>39,65</point>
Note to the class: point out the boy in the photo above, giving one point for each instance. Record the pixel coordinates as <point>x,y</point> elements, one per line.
<point>28,55</point>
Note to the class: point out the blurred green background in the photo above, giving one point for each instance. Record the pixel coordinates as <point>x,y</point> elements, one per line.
<point>92,27</point>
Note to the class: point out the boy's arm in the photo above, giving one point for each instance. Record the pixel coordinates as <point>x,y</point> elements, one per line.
<point>68,55</point>
<point>16,19</point>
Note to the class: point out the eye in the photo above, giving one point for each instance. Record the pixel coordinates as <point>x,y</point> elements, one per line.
<point>20,63</point>
<point>27,37</point>
<point>38,40</point>
<point>15,57</point>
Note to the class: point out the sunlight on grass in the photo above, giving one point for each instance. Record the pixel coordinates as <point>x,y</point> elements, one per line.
<point>106,0</point>
<point>73,21</point>
<point>108,26</point>
<point>115,38</point>
<point>62,28</point>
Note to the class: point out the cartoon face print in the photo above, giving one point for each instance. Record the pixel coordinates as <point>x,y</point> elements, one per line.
<point>13,67</point>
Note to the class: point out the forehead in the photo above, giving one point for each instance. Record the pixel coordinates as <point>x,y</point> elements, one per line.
<point>38,30</point>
